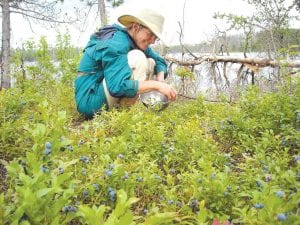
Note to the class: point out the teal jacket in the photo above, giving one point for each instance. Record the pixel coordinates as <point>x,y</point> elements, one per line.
<point>106,56</point>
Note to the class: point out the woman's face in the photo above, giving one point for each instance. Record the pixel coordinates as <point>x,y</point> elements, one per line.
<point>143,36</point>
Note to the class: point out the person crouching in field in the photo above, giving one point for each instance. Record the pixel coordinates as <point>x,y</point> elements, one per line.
<point>117,64</point>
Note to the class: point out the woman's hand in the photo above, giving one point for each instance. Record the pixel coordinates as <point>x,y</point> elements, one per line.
<point>168,91</point>
<point>153,85</point>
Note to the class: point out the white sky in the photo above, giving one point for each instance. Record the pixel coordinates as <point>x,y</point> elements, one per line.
<point>198,21</point>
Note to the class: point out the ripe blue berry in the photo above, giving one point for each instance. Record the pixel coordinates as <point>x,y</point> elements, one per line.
<point>171,202</point>
<point>96,187</point>
<point>112,195</point>
<point>111,166</point>
<point>70,148</point>
<point>84,159</point>
<point>258,205</point>
<point>162,197</point>
<point>125,175</point>
<point>194,203</point>
<point>44,169</point>
<point>121,156</point>
<point>85,192</point>
<point>60,170</point>
<point>172,171</point>
<point>48,145</point>
<point>296,158</point>
<point>179,204</point>
<point>69,208</point>
<point>281,217</point>
<point>108,173</point>
<point>280,194</point>
<point>47,151</point>
<point>139,179</point>
<point>258,183</point>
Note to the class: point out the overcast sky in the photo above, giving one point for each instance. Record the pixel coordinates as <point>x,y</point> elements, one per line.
<point>197,17</point>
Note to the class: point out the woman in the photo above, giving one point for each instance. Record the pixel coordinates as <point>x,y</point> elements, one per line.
<point>118,62</point>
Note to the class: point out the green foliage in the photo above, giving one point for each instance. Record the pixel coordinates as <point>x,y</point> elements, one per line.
<point>189,164</point>
<point>184,72</point>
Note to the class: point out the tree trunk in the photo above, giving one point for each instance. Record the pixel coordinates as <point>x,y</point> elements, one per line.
<point>102,12</point>
<point>5,56</point>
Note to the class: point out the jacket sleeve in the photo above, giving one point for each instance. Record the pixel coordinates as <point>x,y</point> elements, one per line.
<point>160,63</point>
<point>117,72</point>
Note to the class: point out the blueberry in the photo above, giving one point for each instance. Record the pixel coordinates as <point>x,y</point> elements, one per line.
<point>258,205</point>
<point>70,148</point>
<point>47,151</point>
<point>228,164</point>
<point>121,156</point>
<point>172,171</point>
<point>194,203</point>
<point>81,142</point>
<point>85,192</point>
<point>145,211</point>
<point>298,115</point>
<point>162,197</point>
<point>265,169</point>
<point>171,149</point>
<point>296,158</point>
<point>139,179</point>
<point>111,166</point>
<point>179,204</point>
<point>69,208</point>
<point>48,145</point>
<point>73,209</point>
<point>258,183</point>
<point>112,195</point>
<point>44,169</point>
<point>268,177</point>
<point>171,202</point>
<point>60,170</point>
<point>96,187</point>
<point>84,159</point>
<point>281,217</point>
<point>108,173</point>
<point>280,194</point>
<point>125,175</point>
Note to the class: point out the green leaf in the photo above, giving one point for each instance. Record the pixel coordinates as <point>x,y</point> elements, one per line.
<point>92,216</point>
<point>160,218</point>
<point>43,192</point>
<point>202,215</point>
<point>39,131</point>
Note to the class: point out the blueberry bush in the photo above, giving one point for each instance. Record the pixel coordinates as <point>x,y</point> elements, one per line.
<point>192,163</point>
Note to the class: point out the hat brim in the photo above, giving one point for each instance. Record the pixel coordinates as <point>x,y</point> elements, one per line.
<point>128,19</point>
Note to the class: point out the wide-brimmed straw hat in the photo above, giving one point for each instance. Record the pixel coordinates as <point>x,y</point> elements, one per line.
<point>146,17</point>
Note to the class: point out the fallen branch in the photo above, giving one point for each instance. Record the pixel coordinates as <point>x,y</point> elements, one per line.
<point>254,62</point>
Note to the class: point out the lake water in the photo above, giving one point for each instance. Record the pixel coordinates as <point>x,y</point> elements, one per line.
<point>205,83</point>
